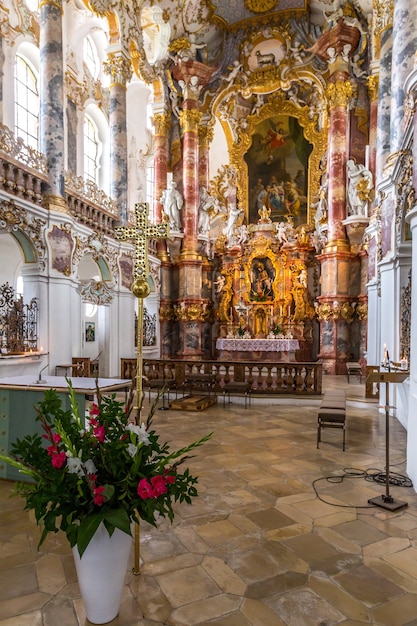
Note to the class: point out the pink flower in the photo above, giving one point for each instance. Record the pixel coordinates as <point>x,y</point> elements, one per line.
<point>159,485</point>
<point>99,433</point>
<point>99,498</point>
<point>94,410</point>
<point>169,479</point>
<point>58,459</point>
<point>56,438</point>
<point>52,450</point>
<point>145,490</point>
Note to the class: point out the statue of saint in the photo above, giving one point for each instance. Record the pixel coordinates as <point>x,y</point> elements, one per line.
<point>360,185</point>
<point>173,202</point>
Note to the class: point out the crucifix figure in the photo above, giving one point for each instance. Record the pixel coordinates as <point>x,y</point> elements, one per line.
<point>140,234</point>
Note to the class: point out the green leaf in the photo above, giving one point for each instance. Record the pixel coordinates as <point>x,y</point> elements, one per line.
<point>86,531</point>
<point>119,518</point>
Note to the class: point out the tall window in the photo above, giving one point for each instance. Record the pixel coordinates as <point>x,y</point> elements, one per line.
<point>90,55</point>
<point>91,146</point>
<point>26,103</point>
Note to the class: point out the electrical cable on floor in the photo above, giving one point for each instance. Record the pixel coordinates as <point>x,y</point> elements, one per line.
<point>371,474</point>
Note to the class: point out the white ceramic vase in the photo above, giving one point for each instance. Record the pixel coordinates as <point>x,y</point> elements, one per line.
<point>101,573</point>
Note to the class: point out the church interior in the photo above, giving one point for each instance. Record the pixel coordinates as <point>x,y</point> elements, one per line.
<point>222,195</point>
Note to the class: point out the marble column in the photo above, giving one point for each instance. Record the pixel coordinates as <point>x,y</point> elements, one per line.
<point>190,118</point>
<point>373,81</point>
<point>335,311</point>
<point>51,92</point>
<point>192,309</point>
<point>162,125</point>
<point>118,67</point>
<point>382,36</point>
<point>205,135</point>
<point>338,95</point>
<point>404,43</point>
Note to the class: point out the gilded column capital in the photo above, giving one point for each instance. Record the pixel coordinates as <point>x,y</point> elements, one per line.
<point>373,85</point>
<point>339,93</point>
<point>205,135</point>
<point>190,119</point>
<point>162,123</point>
<point>382,18</point>
<point>53,3</point>
<point>119,68</point>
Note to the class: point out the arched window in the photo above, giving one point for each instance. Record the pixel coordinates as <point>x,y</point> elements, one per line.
<point>91,150</point>
<point>26,102</point>
<point>90,56</point>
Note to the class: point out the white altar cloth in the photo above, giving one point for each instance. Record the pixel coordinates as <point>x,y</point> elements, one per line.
<point>258,345</point>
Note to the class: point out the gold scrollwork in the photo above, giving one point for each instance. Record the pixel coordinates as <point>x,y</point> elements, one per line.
<point>362,310</point>
<point>324,311</point>
<point>166,313</point>
<point>373,84</point>
<point>193,312</point>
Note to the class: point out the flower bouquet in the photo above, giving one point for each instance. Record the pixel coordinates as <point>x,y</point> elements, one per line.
<point>109,470</point>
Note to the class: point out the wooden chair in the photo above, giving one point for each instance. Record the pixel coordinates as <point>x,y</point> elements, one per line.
<point>82,368</point>
<point>332,414</point>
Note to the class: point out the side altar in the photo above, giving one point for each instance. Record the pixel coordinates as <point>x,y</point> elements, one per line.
<point>20,394</point>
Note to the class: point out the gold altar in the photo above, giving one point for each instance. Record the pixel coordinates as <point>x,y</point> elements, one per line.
<point>266,288</point>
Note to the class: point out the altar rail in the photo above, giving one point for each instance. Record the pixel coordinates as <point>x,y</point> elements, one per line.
<point>263,378</point>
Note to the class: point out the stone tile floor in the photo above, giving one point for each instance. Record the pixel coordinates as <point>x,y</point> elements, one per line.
<point>270,541</point>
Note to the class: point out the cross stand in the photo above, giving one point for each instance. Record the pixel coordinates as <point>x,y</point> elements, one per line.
<point>386,501</point>
<point>140,235</point>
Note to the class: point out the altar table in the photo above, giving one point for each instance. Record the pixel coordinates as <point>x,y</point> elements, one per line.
<point>20,394</point>
<point>286,348</point>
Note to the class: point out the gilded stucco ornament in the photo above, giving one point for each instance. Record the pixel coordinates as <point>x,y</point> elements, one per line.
<point>362,310</point>
<point>324,311</point>
<point>162,124</point>
<point>260,6</point>
<point>96,292</point>
<point>339,93</point>
<point>15,219</point>
<point>190,120</point>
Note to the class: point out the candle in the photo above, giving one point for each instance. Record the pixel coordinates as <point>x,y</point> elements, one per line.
<point>385,361</point>
<point>404,363</point>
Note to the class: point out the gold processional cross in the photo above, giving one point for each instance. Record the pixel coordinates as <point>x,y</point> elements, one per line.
<point>140,234</point>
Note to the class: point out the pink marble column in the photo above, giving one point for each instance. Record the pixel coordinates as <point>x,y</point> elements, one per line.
<point>205,134</point>
<point>118,68</point>
<point>190,118</point>
<point>162,124</point>
<point>51,118</point>
<point>373,125</point>
<point>338,94</point>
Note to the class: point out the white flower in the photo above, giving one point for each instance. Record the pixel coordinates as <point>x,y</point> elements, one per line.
<point>132,449</point>
<point>75,466</point>
<point>140,431</point>
<point>89,466</point>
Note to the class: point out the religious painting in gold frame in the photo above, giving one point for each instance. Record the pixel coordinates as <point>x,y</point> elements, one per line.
<point>277,164</point>
<point>279,114</point>
<point>264,275</point>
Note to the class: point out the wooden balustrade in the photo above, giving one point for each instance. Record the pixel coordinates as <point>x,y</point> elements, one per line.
<point>264,378</point>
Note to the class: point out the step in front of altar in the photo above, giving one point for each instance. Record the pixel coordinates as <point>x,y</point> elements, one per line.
<point>193,403</point>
